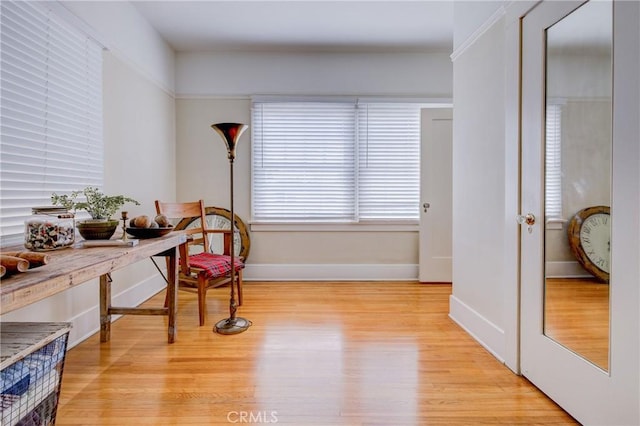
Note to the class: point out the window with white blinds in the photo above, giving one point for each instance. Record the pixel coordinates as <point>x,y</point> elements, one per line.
<point>343,162</point>
<point>51,112</point>
<point>388,161</point>
<point>553,164</point>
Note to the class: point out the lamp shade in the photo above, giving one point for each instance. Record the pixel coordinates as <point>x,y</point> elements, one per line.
<point>230,133</point>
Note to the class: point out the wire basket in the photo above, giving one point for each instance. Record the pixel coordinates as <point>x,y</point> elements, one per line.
<point>30,383</point>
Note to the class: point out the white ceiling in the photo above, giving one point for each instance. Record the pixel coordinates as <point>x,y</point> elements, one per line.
<point>320,25</point>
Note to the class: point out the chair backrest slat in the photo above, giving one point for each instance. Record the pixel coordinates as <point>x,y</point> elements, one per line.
<point>179,210</point>
<point>188,210</point>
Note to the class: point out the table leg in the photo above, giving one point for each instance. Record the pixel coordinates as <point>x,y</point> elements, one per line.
<point>105,305</point>
<point>172,292</point>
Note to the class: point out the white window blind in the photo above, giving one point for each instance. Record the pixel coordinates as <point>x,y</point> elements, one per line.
<point>342,162</point>
<point>553,164</point>
<point>303,161</point>
<point>51,112</point>
<point>389,161</point>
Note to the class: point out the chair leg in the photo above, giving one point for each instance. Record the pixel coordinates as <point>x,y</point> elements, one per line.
<point>202,298</point>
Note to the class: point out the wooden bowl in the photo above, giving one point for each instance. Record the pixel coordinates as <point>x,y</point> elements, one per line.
<point>97,229</point>
<point>148,232</point>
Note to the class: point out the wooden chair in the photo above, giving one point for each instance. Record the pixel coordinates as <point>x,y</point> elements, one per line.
<point>200,269</point>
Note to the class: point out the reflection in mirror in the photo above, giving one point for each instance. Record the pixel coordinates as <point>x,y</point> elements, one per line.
<point>578,142</point>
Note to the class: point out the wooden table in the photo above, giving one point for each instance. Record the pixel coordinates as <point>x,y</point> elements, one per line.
<point>76,265</point>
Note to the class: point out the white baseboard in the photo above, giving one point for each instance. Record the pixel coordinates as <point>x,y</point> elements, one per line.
<point>565,269</point>
<point>88,322</point>
<point>331,272</point>
<point>491,337</point>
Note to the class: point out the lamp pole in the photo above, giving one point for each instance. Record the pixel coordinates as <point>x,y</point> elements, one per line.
<point>230,134</point>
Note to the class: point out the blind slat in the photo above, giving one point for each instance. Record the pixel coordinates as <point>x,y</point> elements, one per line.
<point>553,165</point>
<point>51,112</point>
<point>335,161</point>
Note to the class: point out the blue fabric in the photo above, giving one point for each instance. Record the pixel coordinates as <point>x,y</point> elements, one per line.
<point>15,379</point>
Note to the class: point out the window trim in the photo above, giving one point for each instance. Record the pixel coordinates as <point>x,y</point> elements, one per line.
<point>391,226</point>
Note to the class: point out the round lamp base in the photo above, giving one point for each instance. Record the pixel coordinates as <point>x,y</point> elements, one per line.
<point>232,326</point>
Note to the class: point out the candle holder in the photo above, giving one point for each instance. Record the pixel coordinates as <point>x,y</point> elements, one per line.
<point>124,226</point>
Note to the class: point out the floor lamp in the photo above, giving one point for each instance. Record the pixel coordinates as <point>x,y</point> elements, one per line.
<point>230,134</point>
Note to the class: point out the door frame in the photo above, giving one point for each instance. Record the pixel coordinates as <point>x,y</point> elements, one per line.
<point>514,13</point>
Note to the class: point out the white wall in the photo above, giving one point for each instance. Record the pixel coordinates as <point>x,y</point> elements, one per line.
<point>485,299</point>
<point>299,73</point>
<point>477,302</point>
<point>139,140</point>
<point>215,87</point>
<point>121,28</point>
<point>139,137</point>
<point>470,17</point>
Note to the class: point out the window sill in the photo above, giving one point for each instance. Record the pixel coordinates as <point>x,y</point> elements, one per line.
<point>555,223</point>
<point>335,227</point>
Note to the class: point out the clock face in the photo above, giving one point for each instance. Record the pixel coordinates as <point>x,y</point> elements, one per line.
<point>595,234</point>
<point>589,235</point>
<point>216,244</point>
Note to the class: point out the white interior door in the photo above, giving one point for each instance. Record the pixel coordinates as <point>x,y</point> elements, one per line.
<point>593,393</point>
<point>436,195</point>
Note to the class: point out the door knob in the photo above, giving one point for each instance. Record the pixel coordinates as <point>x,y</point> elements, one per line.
<point>528,219</point>
<point>426,206</point>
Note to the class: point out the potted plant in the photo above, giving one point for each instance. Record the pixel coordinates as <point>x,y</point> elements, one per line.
<point>101,207</point>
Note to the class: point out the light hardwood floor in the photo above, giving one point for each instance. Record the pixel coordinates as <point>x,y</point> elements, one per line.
<point>321,353</point>
<point>577,316</point>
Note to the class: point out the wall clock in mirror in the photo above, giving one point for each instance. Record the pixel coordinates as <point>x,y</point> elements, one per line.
<point>589,235</point>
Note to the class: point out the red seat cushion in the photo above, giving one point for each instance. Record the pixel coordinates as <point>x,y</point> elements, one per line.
<point>214,265</point>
